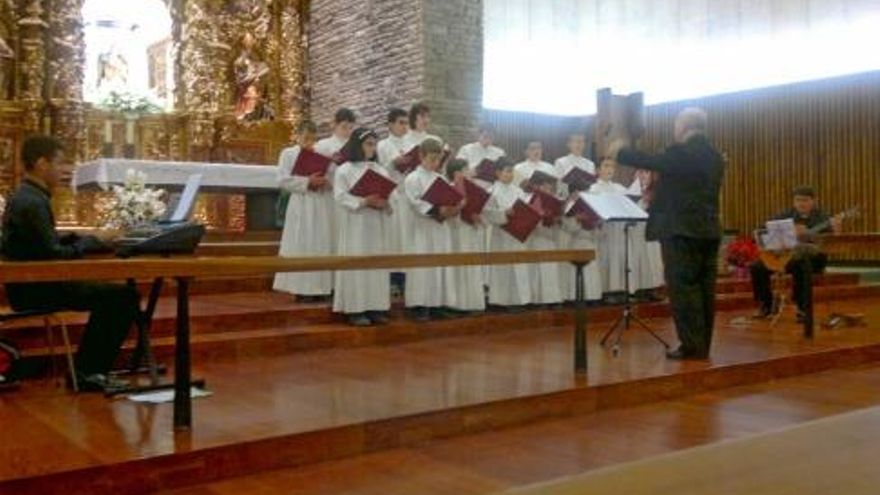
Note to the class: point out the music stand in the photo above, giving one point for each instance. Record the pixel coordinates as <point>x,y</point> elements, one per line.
<point>620,209</point>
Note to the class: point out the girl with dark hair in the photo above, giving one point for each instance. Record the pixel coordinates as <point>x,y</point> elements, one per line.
<point>362,228</point>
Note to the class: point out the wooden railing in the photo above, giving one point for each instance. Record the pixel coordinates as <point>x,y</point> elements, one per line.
<point>184,269</point>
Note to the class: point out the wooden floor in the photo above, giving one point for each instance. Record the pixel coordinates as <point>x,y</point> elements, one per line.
<point>502,460</point>
<point>370,398</point>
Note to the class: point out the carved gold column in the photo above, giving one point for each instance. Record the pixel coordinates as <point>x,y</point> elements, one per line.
<point>32,61</point>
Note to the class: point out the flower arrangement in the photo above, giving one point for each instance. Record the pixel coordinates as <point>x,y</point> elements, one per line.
<point>129,104</point>
<point>133,203</point>
<point>742,252</point>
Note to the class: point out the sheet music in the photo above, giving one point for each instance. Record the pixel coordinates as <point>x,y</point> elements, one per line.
<point>187,199</point>
<point>780,235</point>
<point>611,207</point>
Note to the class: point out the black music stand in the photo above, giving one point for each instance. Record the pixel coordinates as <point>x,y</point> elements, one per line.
<point>629,316</point>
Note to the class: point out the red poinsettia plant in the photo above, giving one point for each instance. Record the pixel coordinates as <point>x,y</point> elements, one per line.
<point>742,252</point>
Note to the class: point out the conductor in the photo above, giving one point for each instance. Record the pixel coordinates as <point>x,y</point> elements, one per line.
<point>684,217</point>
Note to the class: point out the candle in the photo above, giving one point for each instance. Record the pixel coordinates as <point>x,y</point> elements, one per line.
<point>108,131</point>
<point>129,131</point>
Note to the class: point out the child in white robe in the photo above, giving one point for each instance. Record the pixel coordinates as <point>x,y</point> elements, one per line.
<point>611,239</point>
<point>429,290</point>
<point>646,261</point>
<point>343,123</point>
<point>483,149</point>
<point>545,277</point>
<point>579,236</point>
<point>467,237</point>
<point>390,150</point>
<point>577,144</point>
<point>419,121</point>
<point>509,285</point>
<point>309,221</point>
<point>523,171</point>
<point>362,228</point>
<point>475,153</point>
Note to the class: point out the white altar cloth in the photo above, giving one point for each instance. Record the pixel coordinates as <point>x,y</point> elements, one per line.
<point>216,177</point>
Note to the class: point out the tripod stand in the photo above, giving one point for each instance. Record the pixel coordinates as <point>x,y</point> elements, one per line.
<point>625,320</point>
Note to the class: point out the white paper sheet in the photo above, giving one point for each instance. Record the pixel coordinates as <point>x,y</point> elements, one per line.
<point>611,207</point>
<point>164,396</point>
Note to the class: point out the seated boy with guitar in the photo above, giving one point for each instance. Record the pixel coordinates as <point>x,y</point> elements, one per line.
<point>809,221</point>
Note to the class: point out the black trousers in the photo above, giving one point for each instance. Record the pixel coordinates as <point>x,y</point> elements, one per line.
<point>762,289</point>
<point>691,269</point>
<point>112,310</point>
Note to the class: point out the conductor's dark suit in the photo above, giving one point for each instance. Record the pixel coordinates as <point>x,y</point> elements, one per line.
<point>684,217</point>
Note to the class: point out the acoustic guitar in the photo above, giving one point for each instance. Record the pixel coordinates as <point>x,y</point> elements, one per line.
<point>808,243</point>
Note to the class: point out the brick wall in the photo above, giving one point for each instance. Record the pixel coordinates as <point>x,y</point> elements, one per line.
<point>376,54</point>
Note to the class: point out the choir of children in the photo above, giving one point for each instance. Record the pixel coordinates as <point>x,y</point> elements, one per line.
<point>329,213</point>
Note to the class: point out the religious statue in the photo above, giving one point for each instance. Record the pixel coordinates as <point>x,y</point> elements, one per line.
<point>250,73</point>
<point>112,71</point>
<point>254,107</point>
<point>6,58</point>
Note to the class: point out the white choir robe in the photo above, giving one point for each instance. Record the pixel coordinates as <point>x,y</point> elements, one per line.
<point>611,243</point>
<point>330,146</point>
<point>469,280</point>
<point>563,166</point>
<point>360,230</point>
<point>509,285</point>
<point>545,277</point>
<point>523,171</point>
<point>427,287</point>
<point>416,138</point>
<point>309,228</point>
<point>388,150</point>
<point>474,154</point>
<point>579,238</point>
<point>646,261</point>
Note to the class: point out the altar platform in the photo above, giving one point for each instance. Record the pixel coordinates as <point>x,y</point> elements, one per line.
<point>278,406</point>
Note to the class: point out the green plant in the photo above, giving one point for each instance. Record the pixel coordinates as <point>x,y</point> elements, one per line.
<point>129,103</point>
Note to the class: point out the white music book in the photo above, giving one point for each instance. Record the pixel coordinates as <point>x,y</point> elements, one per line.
<point>614,207</point>
<point>187,199</point>
<point>780,234</point>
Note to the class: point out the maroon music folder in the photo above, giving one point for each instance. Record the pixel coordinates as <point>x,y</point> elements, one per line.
<point>373,183</point>
<point>441,193</point>
<point>549,205</point>
<point>485,171</point>
<point>309,163</point>
<point>523,221</point>
<point>579,179</point>
<point>475,199</point>
<point>588,218</point>
<point>409,161</point>
<point>339,157</point>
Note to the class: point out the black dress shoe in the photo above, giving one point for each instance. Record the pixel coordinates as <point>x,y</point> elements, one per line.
<point>359,320</point>
<point>96,382</point>
<point>377,317</point>
<point>682,354</point>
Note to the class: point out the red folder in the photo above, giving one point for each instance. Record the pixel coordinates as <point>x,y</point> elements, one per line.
<point>579,178</point>
<point>590,220</point>
<point>409,161</point>
<point>523,221</point>
<point>373,183</point>
<point>309,163</point>
<point>485,171</point>
<point>475,199</point>
<point>549,205</point>
<point>441,193</point>
<point>339,158</point>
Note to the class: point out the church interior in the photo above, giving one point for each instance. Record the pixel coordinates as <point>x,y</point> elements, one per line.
<point>173,121</point>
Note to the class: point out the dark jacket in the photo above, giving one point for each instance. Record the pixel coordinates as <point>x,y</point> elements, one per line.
<point>29,235</point>
<point>686,196</point>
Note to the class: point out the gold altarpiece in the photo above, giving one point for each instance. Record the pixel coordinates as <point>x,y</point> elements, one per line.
<point>41,90</point>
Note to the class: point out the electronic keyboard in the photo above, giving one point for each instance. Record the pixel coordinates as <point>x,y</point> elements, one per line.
<point>162,239</point>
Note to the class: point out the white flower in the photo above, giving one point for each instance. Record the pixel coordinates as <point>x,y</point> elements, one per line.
<point>133,203</point>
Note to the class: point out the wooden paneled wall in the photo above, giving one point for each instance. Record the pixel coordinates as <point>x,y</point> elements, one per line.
<point>822,133</point>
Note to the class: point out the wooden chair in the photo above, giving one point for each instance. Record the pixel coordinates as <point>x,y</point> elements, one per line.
<point>51,319</point>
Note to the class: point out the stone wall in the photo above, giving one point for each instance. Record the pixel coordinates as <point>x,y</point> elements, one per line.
<point>453,51</point>
<point>364,55</point>
<point>373,55</point>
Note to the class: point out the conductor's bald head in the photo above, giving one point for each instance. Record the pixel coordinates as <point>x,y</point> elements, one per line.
<point>689,122</point>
